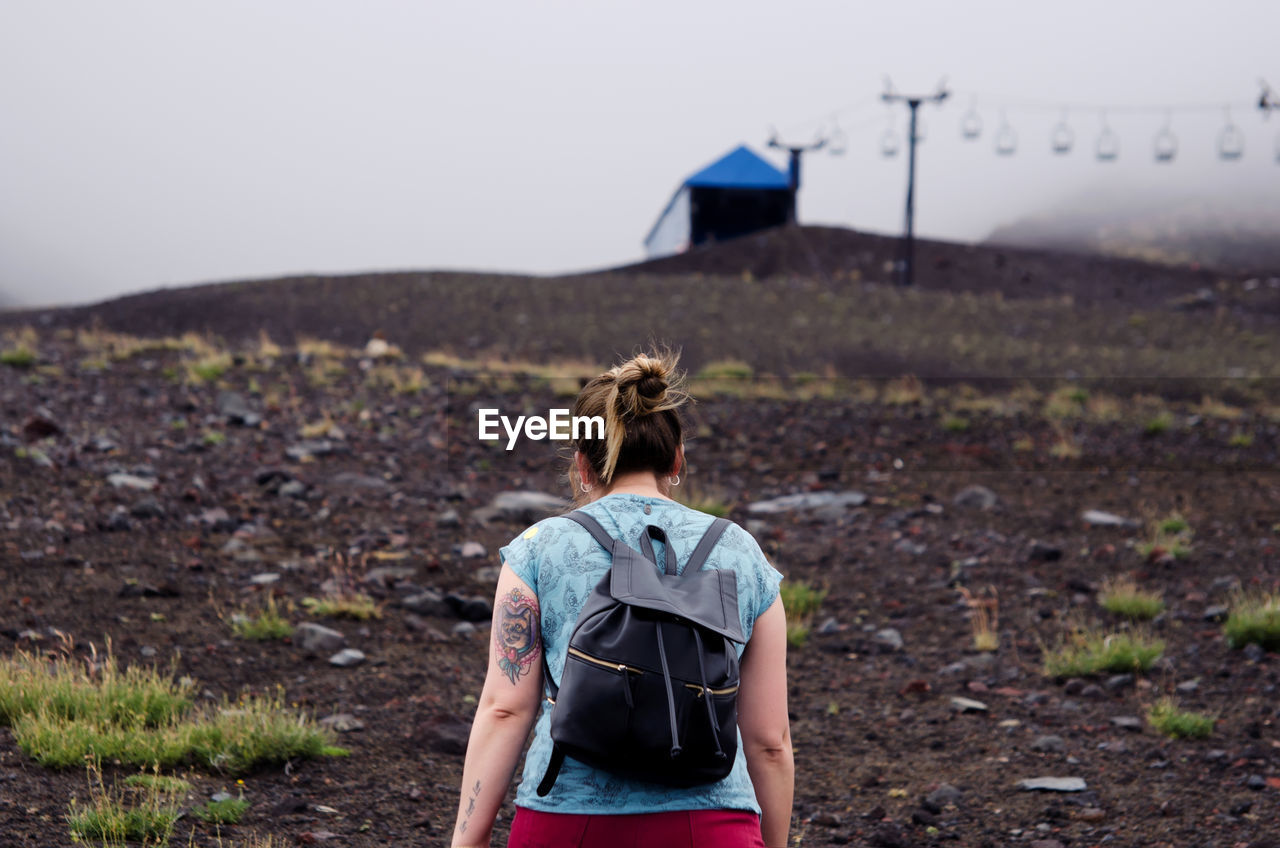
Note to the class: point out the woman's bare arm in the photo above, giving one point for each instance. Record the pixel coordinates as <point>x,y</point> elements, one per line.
<point>506,712</point>
<point>766,730</point>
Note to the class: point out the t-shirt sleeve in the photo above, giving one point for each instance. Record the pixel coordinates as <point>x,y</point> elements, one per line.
<point>761,579</point>
<point>519,553</point>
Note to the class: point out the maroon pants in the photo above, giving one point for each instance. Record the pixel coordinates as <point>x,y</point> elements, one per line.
<point>684,829</point>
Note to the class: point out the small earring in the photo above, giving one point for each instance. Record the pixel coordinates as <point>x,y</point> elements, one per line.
<point>584,487</point>
<point>675,479</point>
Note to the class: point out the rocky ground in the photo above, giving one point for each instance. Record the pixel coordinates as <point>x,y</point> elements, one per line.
<point>143,503</point>
<point>151,489</point>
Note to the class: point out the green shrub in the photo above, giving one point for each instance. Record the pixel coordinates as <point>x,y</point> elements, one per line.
<point>60,714</point>
<point>1158,424</point>
<point>1165,717</point>
<point>800,601</point>
<point>1254,618</point>
<point>224,811</point>
<point>1122,597</point>
<point>19,356</point>
<point>266,625</point>
<point>1091,652</point>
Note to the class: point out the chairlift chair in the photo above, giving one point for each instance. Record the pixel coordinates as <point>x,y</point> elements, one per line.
<point>971,125</point>
<point>1230,143</point>
<point>1108,146</point>
<point>1006,140</point>
<point>1278,148</point>
<point>889,143</point>
<point>1062,139</point>
<point>1165,145</point>
<point>837,141</point>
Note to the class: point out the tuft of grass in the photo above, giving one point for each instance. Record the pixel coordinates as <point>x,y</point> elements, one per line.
<point>1241,439</point>
<point>18,356</point>
<point>108,818</point>
<point>800,601</point>
<point>1122,596</point>
<point>156,782</point>
<point>208,368</point>
<point>213,438</point>
<point>955,424</point>
<point>268,624</point>
<point>1254,618</point>
<point>1170,536</point>
<point>1158,424</point>
<point>343,599</point>
<point>358,606</point>
<point>225,811</point>
<point>63,711</point>
<point>984,619</point>
<point>903,391</point>
<point>1165,717</point>
<point>725,369</point>
<point>1087,652</point>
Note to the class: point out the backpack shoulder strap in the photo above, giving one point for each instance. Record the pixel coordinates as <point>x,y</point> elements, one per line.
<point>591,526</point>
<point>705,544</point>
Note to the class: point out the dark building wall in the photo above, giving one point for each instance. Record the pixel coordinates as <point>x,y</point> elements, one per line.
<point>719,213</point>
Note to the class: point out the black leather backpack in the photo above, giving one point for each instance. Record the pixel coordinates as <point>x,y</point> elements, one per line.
<point>650,683</point>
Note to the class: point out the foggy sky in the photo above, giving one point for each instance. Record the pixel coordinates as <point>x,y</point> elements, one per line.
<point>157,143</point>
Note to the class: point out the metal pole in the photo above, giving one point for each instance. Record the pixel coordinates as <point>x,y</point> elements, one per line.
<point>907,276</point>
<point>909,243</point>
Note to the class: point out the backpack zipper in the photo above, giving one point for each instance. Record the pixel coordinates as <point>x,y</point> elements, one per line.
<point>621,667</point>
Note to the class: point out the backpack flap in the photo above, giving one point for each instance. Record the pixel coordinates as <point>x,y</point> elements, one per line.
<point>708,598</point>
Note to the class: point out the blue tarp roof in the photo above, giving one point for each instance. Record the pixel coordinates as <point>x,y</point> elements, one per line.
<point>740,168</point>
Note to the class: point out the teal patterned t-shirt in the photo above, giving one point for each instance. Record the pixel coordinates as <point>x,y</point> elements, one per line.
<point>562,563</point>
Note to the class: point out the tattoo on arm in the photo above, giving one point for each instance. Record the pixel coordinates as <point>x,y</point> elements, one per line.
<point>517,637</point>
<point>471,808</point>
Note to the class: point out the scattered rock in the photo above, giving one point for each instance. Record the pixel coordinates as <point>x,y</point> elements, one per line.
<point>293,489</point>
<point>309,449</point>
<point>121,480</point>
<point>1256,782</point>
<point>147,508</point>
<point>1044,552</point>
<point>889,638</point>
<point>1217,612</point>
<point>975,497</point>
<point>317,639</point>
<point>521,507</point>
<point>444,734</point>
<point>235,409</point>
<point>448,518</point>
<point>464,629</point>
<point>1127,722</point>
<point>1120,682</point>
<point>1048,744</point>
<point>218,519</point>
<point>427,603</point>
<point>342,722</point>
<point>266,578</point>
<point>967,705</point>
<point>387,575</point>
<point>1099,518</point>
<point>830,504</point>
<point>117,521</point>
<point>472,550</point>
<point>38,427</point>
<point>907,546</point>
<point>347,657</point>
<point>943,796</point>
<point>1186,687</point>
<point>1254,652</point>
<point>1053,784</point>
<point>352,480</point>
<point>469,609</point>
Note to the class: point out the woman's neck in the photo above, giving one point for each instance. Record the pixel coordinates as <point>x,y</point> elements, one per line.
<point>637,483</point>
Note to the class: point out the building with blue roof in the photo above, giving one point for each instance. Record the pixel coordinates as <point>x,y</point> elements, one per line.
<point>739,193</point>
